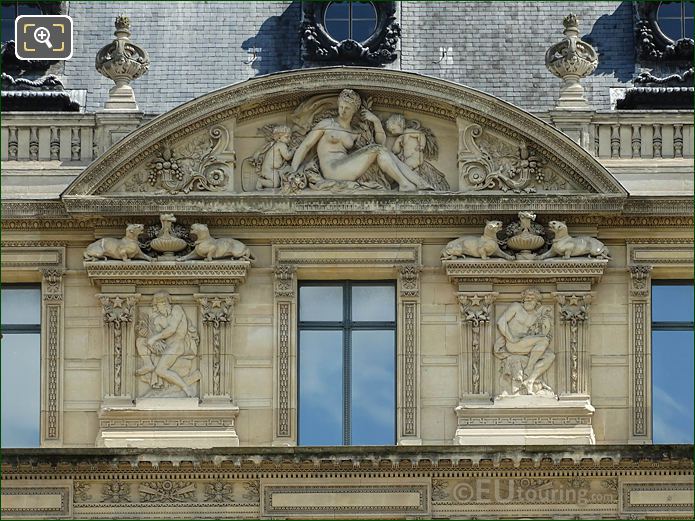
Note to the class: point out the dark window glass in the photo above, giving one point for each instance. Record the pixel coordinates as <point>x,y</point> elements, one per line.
<point>347,363</point>
<point>672,362</point>
<point>675,19</point>
<point>12,10</point>
<point>350,20</point>
<point>20,348</point>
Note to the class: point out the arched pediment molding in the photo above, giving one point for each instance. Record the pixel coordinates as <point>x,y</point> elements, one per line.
<point>227,124</point>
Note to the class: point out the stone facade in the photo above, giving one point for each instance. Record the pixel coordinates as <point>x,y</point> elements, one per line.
<point>170,253</point>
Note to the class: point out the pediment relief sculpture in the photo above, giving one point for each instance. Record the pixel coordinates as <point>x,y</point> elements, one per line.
<point>524,335</point>
<point>204,164</point>
<point>343,145</point>
<point>167,347</point>
<point>161,243</point>
<point>490,162</point>
<point>525,239</point>
<point>338,130</point>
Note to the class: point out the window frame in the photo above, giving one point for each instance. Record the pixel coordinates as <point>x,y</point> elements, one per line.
<point>34,329</point>
<point>682,19</point>
<point>350,19</point>
<point>670,325</point>
<point>347,326</point>
<point>663,325</point>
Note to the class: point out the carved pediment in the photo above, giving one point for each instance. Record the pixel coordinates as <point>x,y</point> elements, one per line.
<point>383,139</point>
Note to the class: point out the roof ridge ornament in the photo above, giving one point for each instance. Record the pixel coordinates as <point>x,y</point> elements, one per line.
<point>571,60</point>
<point>122,61</point>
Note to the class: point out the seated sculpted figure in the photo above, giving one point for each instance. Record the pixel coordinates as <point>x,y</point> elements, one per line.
<point>167,347</point>
<point>524,344</point>
<point>335,140</point>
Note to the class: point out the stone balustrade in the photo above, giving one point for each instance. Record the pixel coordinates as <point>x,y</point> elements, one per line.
<point>643,135</point>
<point>70,138</point>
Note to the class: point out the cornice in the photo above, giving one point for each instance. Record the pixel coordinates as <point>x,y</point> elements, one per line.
<point>398,457</point>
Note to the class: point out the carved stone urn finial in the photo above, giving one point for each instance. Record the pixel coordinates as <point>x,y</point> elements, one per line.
<point>571,60</point>
<point>122,61</point>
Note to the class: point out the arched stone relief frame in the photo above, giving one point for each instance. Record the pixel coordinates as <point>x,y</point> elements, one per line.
<point>93,191</point>
<point>347,259</point>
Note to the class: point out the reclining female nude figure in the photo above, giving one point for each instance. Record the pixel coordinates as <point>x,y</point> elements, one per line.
<point>335,137</point>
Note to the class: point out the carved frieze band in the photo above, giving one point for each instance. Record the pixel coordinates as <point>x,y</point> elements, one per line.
<point>476,314</point>
<point>52,296</point>
<point>640,281</point>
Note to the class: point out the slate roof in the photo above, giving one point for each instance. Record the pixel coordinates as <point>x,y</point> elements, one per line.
<point>497,47</point>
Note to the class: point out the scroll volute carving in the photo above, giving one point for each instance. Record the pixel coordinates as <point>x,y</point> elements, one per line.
<point>204,163</point>
<point>487,161</point>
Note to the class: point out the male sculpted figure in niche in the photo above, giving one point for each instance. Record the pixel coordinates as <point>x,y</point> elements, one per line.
<point>524,344</point>
<point>167,348</point>
<point>335,139</point>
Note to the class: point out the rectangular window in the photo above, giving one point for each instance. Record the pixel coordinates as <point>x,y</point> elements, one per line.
<point>347,363</point>
<point>21,365</point>
<point>672,361</point>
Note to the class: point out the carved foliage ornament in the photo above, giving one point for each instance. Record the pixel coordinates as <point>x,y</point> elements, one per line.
<point>487,163</point>
<point>378,49</point>
<point>201,165</point>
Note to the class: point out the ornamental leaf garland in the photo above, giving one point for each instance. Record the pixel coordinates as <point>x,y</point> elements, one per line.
<point>192,167</point>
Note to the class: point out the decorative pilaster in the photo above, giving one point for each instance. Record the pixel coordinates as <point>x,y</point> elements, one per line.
<point>640,350</point>
<point>118,315</point>
<point>409,354</point>
<point>217,315</point>
<point>476,363</point>
<point>52,346</point>
<point>285,393</point>
<point>574,367</point>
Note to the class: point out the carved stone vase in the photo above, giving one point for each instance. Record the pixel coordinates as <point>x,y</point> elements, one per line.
<point>166,243</point>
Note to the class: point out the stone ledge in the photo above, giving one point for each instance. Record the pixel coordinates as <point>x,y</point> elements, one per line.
<point>170,272</point>
<point>403,456</point>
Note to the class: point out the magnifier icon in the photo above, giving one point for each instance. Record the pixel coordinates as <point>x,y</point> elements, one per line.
<point>42,35</point>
